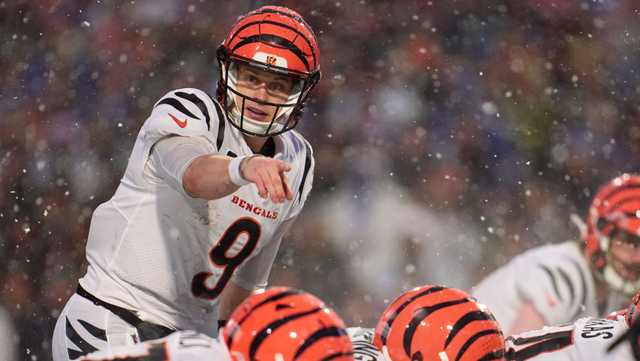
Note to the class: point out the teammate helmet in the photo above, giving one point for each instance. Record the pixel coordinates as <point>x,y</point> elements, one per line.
<point>271,40</point>
<point>614,212</point>
<point>286,324</point>
<point>438,323</point>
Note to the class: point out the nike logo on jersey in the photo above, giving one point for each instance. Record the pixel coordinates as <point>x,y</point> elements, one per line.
<point>181,123</point>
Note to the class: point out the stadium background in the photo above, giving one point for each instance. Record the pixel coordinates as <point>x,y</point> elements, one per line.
<point>449,135</point>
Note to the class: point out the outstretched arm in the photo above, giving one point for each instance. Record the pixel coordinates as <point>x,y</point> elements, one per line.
<point>189,165</point>
<point>212,176</point>
<point>528,319</point>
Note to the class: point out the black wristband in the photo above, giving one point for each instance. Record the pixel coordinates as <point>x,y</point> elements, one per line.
<point>221,323</point>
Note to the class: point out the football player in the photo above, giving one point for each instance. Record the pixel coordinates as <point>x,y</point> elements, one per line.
<point>277,324</point>
<point>211,187</point>
<point>560,283</point>
<point>631,338</point>
<point>587,339</point>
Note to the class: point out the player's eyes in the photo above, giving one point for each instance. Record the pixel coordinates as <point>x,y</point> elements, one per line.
<point>277,87</point>
<point>253,80</point>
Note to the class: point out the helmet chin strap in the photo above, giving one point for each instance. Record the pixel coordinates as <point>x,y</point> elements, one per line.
<point>618,283</point>
<point>247,123</point>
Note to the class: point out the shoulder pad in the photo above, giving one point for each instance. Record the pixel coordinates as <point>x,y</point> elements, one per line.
<point>186,112</point>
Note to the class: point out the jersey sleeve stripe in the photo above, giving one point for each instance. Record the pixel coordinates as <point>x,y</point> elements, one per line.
<point>77,340</point>
<point>175,103</point>
<point>199,103</point>
<point>583,284</point>
<point>551,342</point>
<point>221,123</point>
<point>554,282</point>
<point>567,279</point>
<point>307,166</point>
<point>93,330</point>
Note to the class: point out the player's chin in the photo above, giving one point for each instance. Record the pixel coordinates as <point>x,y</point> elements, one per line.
<point>629,272</point>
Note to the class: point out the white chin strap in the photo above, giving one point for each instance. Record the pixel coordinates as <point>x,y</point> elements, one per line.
<point>248,124</point>
<point>617,282</point>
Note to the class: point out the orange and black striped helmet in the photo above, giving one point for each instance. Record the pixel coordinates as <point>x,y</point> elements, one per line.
<point>286,324</point>
<point>277,40</point>
<point>440,324</point>
<point>614,213</point>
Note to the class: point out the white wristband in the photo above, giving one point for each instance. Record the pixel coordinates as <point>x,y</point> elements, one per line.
<point>234,172</point>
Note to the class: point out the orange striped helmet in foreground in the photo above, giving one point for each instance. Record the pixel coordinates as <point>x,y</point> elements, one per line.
<point>286,324</point>
<point>441,324</point>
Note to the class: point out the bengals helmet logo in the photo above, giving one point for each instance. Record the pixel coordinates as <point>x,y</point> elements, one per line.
<point>271,60</point>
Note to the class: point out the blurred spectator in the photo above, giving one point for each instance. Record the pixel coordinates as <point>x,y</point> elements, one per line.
<point>9,338</point>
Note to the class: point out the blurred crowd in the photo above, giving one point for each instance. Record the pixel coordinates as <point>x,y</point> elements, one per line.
<point>448,135</point>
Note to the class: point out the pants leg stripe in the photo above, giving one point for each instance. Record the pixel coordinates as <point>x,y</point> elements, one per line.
<point>94,331</point>
<point>81,343</point>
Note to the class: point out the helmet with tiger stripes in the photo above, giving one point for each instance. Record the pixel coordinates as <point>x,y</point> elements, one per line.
<point>614,214</point>
<point>286,324</point>
<point>441,324</point>
<point>277,43</point>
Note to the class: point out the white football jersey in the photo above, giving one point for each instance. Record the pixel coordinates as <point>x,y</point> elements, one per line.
<point>587,339</point>
<point>555,279</point>
<point>179,346</point>
<point>154,249</point>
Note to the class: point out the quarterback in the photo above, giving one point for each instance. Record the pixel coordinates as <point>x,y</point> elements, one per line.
<point>589,338</point>
<point>211,187</point>
<point>560,283</point>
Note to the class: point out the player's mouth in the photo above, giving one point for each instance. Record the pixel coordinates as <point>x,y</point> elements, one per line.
<point>629,272</point>
<point>256,113</point>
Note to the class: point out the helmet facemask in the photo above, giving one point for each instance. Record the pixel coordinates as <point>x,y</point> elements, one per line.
<point>278,110</point>
<point>606,238</point>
